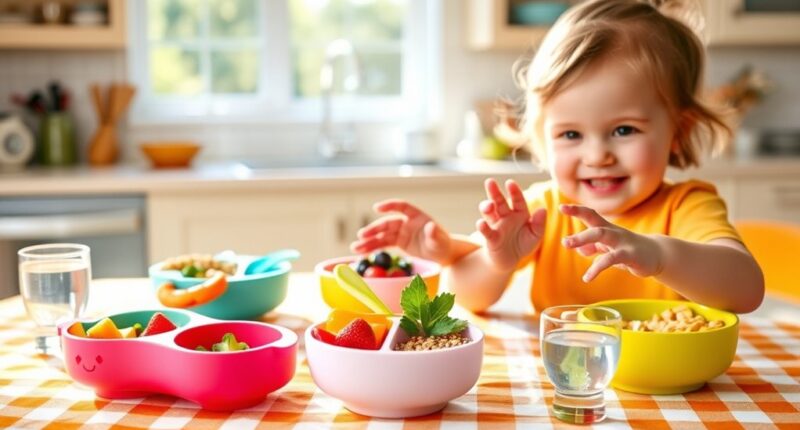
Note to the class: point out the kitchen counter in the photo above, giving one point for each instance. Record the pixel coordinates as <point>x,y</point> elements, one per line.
<point>237,176</point>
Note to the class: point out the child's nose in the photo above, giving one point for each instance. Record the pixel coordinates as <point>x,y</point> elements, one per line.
<point>597,153</point>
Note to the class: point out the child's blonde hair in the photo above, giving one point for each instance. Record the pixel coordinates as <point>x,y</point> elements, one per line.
<point>652,40</point>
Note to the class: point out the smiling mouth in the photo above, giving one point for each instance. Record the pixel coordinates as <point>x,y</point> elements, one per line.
<point>89,370</point>
<point>604,185</point>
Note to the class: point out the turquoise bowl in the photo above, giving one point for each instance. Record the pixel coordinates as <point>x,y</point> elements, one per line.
<point>247,296</point>
<point>537,12</point>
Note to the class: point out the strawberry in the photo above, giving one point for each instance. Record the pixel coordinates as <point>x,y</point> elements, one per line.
<point>375,272</point>
<point>395,272</point>
<point>323,335</point>
<point>158,324</point>
<point>358,334</point>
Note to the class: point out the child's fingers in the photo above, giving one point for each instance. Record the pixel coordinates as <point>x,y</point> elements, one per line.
<point>604,261</point>
<point>537,223</point>
<point>518,203</point>
<point>381,225</point>
<point>588,216</point>
<point>588,250</point>
<point>397,205</point>
<point>496,195</point>
<point>608,236</point>
<point>487,232</point>
<point>434,235</point>
<point>488,211</point>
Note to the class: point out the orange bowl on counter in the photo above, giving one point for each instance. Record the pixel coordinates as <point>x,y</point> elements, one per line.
<point>170,153</point>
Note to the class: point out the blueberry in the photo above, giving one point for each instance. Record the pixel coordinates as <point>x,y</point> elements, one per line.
<point>362,267</point>
<point>404,265</point>
<point>382,259</point>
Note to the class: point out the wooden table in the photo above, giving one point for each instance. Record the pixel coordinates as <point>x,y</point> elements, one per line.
<point>760,390</point>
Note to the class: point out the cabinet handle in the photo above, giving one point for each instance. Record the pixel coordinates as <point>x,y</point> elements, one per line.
<point>787,196</point>
<point>341,229</point>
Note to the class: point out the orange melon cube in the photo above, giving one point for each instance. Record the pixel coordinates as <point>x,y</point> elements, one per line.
<point>104,329</point>
<point>76,329</point>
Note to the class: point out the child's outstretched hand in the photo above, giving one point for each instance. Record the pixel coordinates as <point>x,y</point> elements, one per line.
<point>510,230</point>
<point>408,228</point>
<point>637,253</point>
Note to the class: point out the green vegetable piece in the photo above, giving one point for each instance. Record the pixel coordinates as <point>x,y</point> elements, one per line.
<point>189,271</point>
<point>350,281</point>
<point>200,348</point>
<point>138,329</point>
<point>424,316</point>
<point>229,343</point>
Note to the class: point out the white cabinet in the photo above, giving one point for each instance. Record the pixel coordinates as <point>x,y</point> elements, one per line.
<point>732,22</point>
<point>770,199</point>
<point>252,222</point>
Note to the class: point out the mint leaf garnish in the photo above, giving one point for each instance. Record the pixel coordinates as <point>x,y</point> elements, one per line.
<point>424,316</point>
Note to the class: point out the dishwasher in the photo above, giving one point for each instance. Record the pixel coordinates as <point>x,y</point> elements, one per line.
<point>113,227</point>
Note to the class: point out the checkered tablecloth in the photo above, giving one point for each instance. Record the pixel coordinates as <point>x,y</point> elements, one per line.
<point>760,390</point>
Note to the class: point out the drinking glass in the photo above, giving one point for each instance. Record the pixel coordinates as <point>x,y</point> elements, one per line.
<point>580,349</point>
<point>54,283</point>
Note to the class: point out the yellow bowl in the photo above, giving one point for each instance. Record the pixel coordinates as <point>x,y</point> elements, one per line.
<point>672,363</point>
<point>387,289</point>
<point>170,153</point>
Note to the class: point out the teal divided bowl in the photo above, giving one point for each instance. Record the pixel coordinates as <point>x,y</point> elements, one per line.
<point>537,12</point>
<point>247,296</point>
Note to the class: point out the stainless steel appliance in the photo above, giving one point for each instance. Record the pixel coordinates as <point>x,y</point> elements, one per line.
<point>112,226</point>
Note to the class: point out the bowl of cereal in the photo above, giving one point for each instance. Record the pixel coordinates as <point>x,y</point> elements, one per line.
<point>672,346</point>
<point>385,273</point>
<point>394,380</point>
<point>217,287</point>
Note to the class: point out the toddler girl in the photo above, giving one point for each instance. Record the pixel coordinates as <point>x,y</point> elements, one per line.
<point>612,99</point>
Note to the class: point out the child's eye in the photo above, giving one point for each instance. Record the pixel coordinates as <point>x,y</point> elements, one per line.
<point>624,130</point>
<point>571,134</point>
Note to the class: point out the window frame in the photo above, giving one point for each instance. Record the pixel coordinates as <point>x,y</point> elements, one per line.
<point>417,104</point>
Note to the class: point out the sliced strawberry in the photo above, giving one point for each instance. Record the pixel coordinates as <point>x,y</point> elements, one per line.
<point>358,334</point>
<point>158,324</point>
<point>323,335</point>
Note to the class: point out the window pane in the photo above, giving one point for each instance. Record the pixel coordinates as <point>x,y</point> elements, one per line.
<point>375,27</point>
<point>234,71</point>
<point>381,74</point>
<point>234,18</point>
<point>175,71</point>
<point>173,19</point>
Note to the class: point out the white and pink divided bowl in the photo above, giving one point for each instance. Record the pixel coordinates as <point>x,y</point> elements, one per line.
<point>168,362</point>
<point>395,384</point>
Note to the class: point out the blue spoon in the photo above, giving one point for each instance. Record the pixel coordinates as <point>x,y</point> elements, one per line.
<point>271,261</point>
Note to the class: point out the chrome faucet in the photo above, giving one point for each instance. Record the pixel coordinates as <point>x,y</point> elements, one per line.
<point>333,142</point>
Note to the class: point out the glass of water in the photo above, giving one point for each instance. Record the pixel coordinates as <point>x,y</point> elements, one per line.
<point>580,349</point>
<point>54,283</point>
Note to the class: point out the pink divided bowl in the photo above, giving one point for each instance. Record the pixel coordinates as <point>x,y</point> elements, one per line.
<point>387,289</point>
<point>167,363</point>
<point>395,384</point>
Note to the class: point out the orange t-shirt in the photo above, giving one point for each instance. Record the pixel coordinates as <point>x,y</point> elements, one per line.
<point>690,210</point>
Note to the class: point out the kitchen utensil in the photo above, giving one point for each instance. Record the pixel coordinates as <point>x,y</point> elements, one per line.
<point>16,142</point>
<point>104,148</point>
<point>170,154</point>
<point>271,261</point>
<point>57,139</point>
<point>395,384</point>
<point>169,363</point>
<point>671,362</point>
<point>387,289</point>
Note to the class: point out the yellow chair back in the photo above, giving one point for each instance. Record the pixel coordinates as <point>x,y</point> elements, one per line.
<point>776,247</point>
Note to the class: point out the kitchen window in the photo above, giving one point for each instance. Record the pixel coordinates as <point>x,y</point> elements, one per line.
<point>260,60</point>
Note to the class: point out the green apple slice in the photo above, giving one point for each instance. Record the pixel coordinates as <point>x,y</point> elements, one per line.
<point>350,281</point>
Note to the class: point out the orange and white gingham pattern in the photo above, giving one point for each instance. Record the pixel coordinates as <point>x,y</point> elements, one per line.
<point>760,390</point>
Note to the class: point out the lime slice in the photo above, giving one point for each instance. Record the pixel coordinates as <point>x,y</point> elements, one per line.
<point>352,283</point>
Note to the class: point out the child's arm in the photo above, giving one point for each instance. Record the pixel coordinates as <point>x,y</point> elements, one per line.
<point>511,232</point>
<point>720,273</point>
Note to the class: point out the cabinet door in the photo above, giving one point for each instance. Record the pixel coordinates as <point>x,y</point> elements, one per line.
<point>249,223</point>
<point>769,199</point>
<point>744,22</point>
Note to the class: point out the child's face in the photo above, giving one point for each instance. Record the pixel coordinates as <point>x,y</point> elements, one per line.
<point>608,138</point>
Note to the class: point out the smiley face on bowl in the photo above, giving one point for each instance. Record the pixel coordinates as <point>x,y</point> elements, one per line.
<point>653,362</point>
<point>395,384</point>
<point>388,289</point>
<point>245,297</point>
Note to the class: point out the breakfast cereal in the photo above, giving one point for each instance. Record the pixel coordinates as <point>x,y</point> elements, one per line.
<point>678,319</point>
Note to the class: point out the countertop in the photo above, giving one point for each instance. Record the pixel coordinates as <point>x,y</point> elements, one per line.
<point>759,390</point>
<point>236,175</point>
